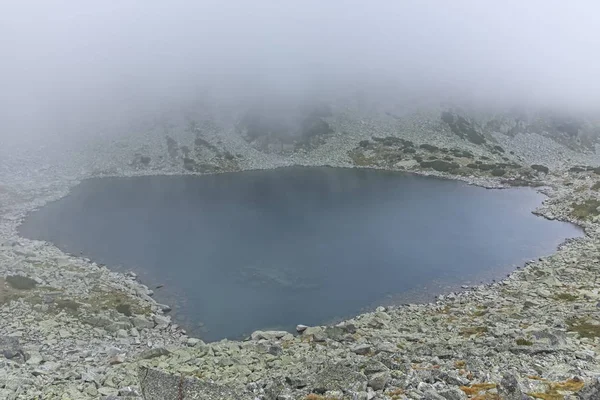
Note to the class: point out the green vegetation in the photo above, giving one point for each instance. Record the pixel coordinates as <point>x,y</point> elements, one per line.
<point>587,209</point>
<point>20,282</point>
<point>440,165</point>
<point>393,141</point>
<point>566,297</point>
<point>429,147</point>
<point>475,330</point>
<point>462,128</point>
<point>124,309</point>
<point>498,172</point>
<point>524,342</point>
<point>596,186</point>
<point>583,327</point>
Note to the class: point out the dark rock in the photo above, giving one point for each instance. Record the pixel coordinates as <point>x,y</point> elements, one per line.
<point>429,147</point>
<point>498,148</point>
<point>590,391</point>
<point>462,128</point>
<point>487,167</point>
<point>11,348</point>
<point>364,143</point>
<point>509,389</point>
<point>498,172</point>
<point>540,168</point>
<point>296,382</point>
<point>172,147</point>
<point>145,160</point>
<point>185,151</point>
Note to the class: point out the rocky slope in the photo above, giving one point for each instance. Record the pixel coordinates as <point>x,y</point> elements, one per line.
<point>72,329</point>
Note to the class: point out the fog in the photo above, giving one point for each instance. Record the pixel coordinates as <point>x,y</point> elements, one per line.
<point>83,67</point>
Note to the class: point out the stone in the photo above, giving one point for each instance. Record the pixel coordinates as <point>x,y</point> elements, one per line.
<point>107,391</point>
<point>158,385</point>
<point>153,353</point>
<point>338,377</point>
<point>142,323</point>
<point>122,333</point>
<point>361,349</point>
<point>193,342</point>
<point>301,328</point>
<point>432,395</point>
<point>509,389</point>
<point>453,394</point>
<point>11,348</point>
<point>161,321</point>
<point>268,335</point>
<point>118,359</point>
<point>379,380</point>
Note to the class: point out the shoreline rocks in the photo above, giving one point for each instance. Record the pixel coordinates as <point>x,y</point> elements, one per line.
<point>75,329</point>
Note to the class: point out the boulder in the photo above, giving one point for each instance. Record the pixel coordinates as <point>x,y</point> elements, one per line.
<point>158,385</point>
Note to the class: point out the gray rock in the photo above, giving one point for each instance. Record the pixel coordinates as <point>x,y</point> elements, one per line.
<point>453,394</point>
<point>157,385</point>
<point>432,395</point>
<point>142,323</point>
<point>590,391</point>
<point>338,377</point>
<point>509,389</point>
<point>11,348</point>
<point>268,335</point>
<point>379,380</point>
<point>153,353</point>
<point>301,328</point>
<point>361,349</point>
<point>161,321</point>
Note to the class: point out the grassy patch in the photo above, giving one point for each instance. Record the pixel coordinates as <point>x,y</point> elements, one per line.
<point>21,282</point>
<point>555,389</point>
<point>313,396</point>
<point>477,387</point>
<point>587,209</point>
<point>474,330</point>
<point>524,342</point>
<point>566,297</point>
<point>358,158</point>
<point>583,327</point>
<point>118,301</point>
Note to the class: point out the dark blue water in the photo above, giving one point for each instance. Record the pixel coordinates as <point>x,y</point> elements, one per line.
<point>270,249</point>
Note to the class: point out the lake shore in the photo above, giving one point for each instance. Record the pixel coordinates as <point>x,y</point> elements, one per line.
<point>74,329</point>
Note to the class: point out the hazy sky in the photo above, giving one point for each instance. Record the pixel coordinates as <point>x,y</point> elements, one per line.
<point>66,61</point>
